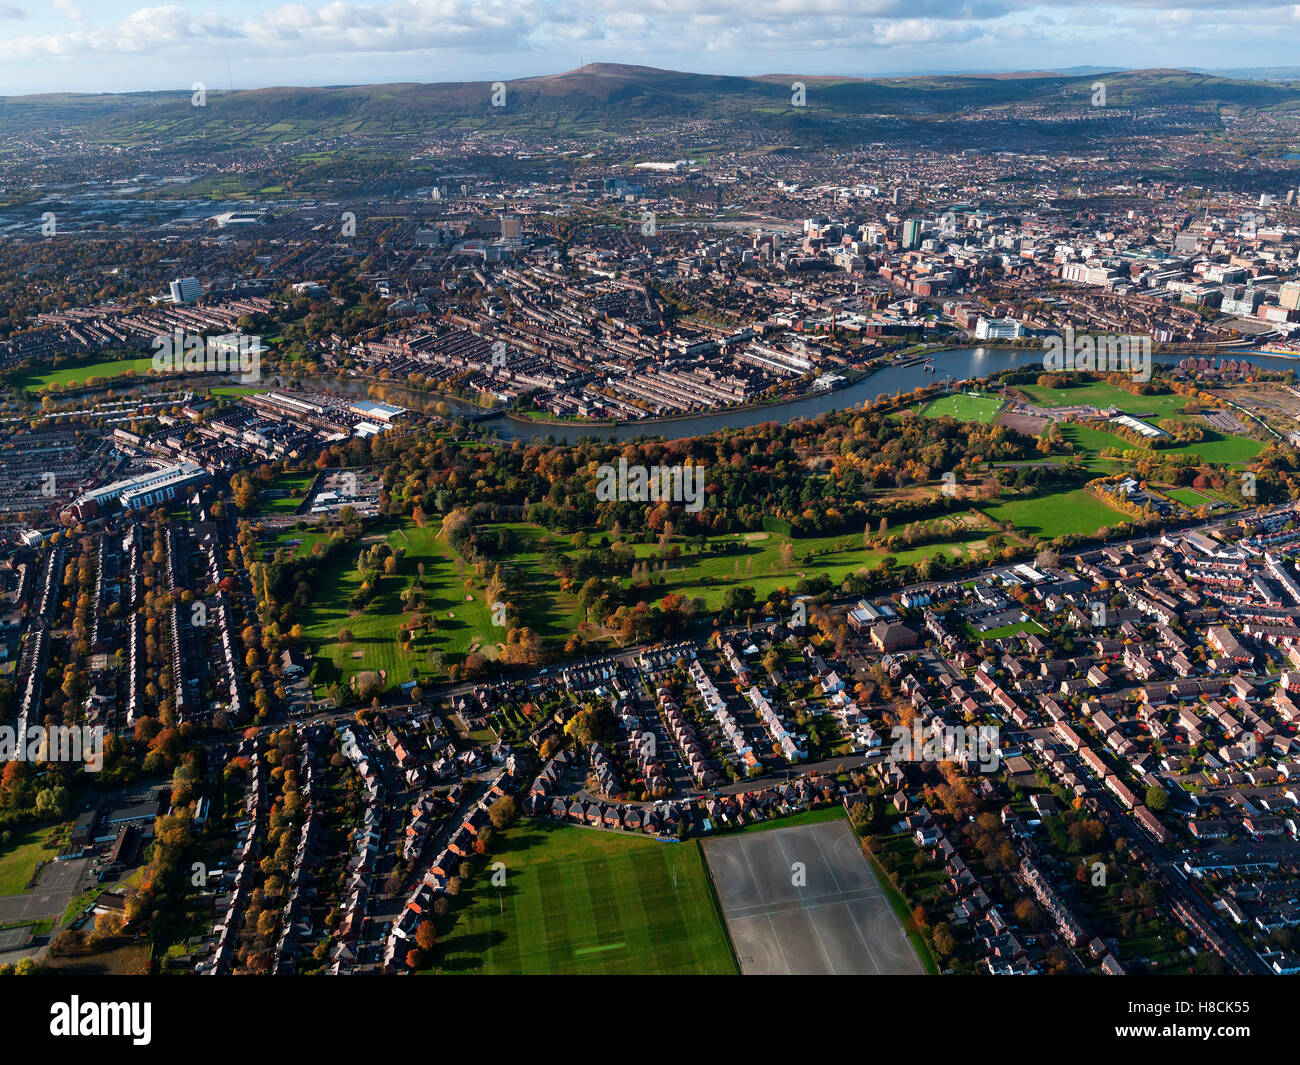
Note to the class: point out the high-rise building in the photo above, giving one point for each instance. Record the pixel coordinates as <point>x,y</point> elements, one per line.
<point>185,290</point>
<point>998,329</point>
<point>1241,300</point>
<point>911,234</point>
<point>1288,296</point>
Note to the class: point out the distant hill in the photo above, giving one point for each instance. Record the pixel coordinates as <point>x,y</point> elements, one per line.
<point>615,97</point>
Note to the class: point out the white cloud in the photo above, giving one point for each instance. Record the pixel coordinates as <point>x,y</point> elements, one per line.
<point>929,33</point>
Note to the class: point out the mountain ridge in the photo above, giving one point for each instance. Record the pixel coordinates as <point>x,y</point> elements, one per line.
<point>610,96</point>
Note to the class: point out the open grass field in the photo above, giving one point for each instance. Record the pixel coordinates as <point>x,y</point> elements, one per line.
<point>455,603</point>
<point>1216,447</point>
<point>1196,497</point>
<point>125,958</point>
<point>1049,516</point>
<point>72,376</point>
<point>235,390</point>
<point>965,407</point>
<point>301,540</point>
<point>18,859</point>
<point>542,606</point>
<point>584,901</point>
<point>755,560</point>
<point>1027,628</point>
<point>1221,448</point>
<point>1101,394</point>
<point>296,484</point>
<point>376,644</point>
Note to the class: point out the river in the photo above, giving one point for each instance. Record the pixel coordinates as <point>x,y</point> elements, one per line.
<point>957,364</point>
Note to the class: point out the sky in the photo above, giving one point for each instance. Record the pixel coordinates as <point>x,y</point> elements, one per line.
<point>122,46</point>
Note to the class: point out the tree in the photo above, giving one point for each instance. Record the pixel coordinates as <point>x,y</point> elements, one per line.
<point>502,812</point>
<point>426,935</point>
<point>944,942</point>
<point>1157,799</point>
<point>53,802</point>
<point>739,598</point>
<point>243,490</point>
<point>583,727</point>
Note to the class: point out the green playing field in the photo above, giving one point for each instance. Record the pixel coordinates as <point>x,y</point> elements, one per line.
<point>965,408</point>
<point>580,900</point>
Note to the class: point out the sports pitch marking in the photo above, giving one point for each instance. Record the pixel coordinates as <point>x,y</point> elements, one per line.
<point>804,900</point>
<point>598,950</point>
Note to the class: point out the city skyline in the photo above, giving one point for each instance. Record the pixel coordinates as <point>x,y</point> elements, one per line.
<point>681,489</point>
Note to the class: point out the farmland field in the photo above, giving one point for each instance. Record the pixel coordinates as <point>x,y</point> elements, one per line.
<point>965,407</point>
<point>585,901</point>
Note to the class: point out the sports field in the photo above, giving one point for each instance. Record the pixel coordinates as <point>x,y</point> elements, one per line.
<point>1102,394</point>
<point>965,407</point>
<point>18,860</point>
<point>1216,447</point>
<point>73,376</point>
<point>803,900</point>
<point>1192,497</point>
<point>584,901</point>
<point>1055,515</point>
<point>296,484</point>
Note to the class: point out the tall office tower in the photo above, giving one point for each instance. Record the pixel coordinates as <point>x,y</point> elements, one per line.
<point>185,290</point>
